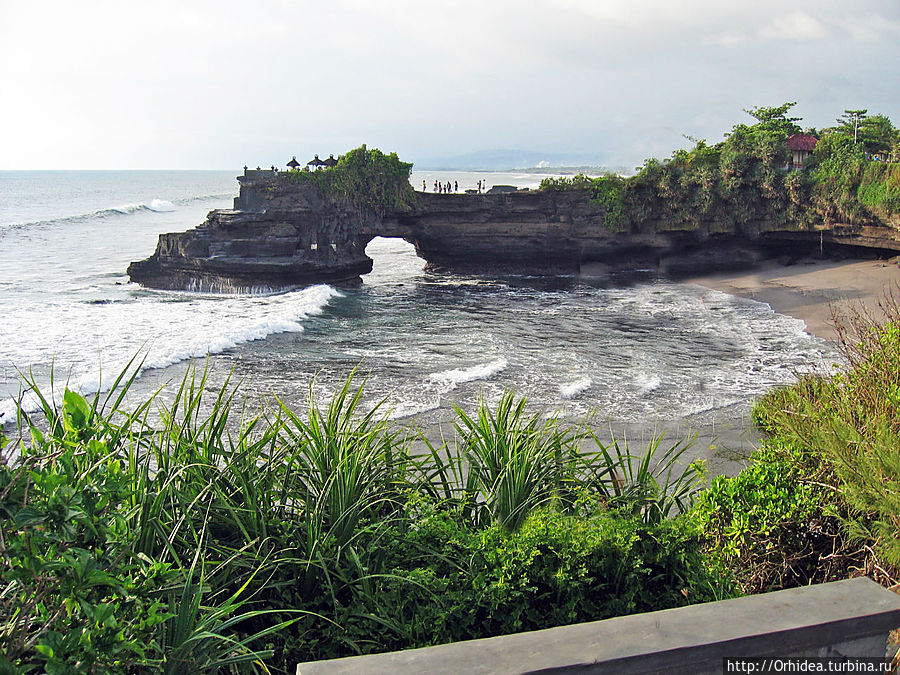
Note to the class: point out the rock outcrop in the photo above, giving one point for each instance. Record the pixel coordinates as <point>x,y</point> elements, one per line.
<point>284,232</point>
<point>279,235</point>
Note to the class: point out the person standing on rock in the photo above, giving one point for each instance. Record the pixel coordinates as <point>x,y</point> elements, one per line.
<point>424,189</point>
<point>456,186</point>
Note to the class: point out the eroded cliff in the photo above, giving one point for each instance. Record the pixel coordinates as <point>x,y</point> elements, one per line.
<point>285,232</point>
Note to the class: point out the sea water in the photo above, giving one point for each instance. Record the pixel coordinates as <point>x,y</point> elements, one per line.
<point>634,351</point>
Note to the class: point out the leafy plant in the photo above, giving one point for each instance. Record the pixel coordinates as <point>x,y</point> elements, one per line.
<point>365,178</point>
<point>516,461</point>
<point>653,485</point>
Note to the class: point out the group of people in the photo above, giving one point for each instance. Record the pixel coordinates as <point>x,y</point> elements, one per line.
<point>448,188</point>
<point>443,188</point>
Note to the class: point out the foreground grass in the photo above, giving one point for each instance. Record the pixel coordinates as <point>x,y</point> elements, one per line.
<point>200,543</point>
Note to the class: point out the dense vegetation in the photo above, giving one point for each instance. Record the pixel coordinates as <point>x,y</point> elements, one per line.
<point>201,544</point>
<point>365,178</point>
<point>748,177</point>
<point>821,501</point>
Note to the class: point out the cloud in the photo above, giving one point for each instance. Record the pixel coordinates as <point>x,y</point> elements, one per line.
<point>220,83</point>
<point>871,27</point>
<point>727,40</point>
<point>797,26</point>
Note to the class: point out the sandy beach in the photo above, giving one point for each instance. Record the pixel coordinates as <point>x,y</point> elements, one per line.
<point>808,289</point>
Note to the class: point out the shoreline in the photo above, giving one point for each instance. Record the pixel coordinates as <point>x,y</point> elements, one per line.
<point>808,289</point>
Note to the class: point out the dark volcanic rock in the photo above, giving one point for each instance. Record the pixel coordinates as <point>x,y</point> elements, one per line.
<point>288,237</point>
<point>283,232</point>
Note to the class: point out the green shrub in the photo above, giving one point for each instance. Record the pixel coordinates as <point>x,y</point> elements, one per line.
<point>773,525</point>
<point>204,543</point>
<point>449,581</point>
<point>79,595</point>
<point>365,178</point>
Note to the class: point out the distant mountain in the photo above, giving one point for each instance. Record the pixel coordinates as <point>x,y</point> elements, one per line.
<point>502,160</point>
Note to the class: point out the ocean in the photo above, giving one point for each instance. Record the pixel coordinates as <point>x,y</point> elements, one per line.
<point>635,353</point>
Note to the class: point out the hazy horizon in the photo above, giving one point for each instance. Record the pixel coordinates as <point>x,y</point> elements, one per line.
<point>217,85</point>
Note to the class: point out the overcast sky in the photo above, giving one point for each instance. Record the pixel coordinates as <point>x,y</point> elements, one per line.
<point>220,84</point>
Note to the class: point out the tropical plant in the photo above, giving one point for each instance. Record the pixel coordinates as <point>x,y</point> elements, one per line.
<point>653,485</point>
<point>516,461</point>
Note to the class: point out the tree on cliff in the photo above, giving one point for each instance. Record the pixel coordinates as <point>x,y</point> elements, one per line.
<point>369,179</point>
<point>876,134</point>
<point>775,119</point>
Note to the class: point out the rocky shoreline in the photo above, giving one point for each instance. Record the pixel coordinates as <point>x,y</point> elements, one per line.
<point>287,233</point>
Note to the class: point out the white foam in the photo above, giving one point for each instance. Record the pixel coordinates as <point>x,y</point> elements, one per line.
<point>406,409</point>
<point>647,382</point>
<point>572,389</point>
<point>164,328</point>
<point>161,205</point>
<point>457,376</point>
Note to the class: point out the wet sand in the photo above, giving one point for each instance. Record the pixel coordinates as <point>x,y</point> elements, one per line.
<point>808,289</point>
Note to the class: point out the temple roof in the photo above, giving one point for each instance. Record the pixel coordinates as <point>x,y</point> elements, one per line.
<point>805,142</point>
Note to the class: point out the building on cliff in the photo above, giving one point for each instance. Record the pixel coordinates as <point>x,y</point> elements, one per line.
<point>801,145</point>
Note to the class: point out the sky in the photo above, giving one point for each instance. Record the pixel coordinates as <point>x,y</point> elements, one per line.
<point>183,84</point>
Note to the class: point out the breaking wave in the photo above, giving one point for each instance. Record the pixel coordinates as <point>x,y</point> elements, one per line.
<point>153,206</point>
<point>572,389</point>
<point>164,329</point>
<point>457,376</point>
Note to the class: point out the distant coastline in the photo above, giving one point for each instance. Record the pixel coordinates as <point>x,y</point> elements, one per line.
<point>587,169</point>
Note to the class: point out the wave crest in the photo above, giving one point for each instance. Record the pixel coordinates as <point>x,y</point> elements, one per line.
<point>155,205</point>
<point>457,376</point>
<point>572,389</point>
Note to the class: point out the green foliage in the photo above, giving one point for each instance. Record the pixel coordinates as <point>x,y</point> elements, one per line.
<point>203,543</point>
<point>835,169</point>
<point>350,464</point>
<point>449,581</point>
<point>745,179</point>
<point>609,193</point>
<point>562,184</point>
<point>737,181</point>
<point>653,485</point>
<point>836,448</point>
<point>775,119</point>
<point>365,178</point>
<point>875,134</point>
<point>879,187</point>
<point>770,526</point>
<point>78,593</point>
<point>605,192</point>
<point>878,135</point>
<point>516,462</point>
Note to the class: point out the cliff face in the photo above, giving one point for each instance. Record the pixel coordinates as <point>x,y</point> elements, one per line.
<point>284,232</point>
<point>278,235</point>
